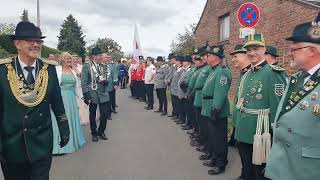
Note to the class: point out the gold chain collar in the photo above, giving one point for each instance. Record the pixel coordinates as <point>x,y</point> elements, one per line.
<point>21,93</point>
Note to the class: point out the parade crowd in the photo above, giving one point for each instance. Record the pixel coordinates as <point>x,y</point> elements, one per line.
<point>43,103</point>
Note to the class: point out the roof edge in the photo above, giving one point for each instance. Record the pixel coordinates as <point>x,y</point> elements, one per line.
<point>308,3</point>
<point>205,7</point>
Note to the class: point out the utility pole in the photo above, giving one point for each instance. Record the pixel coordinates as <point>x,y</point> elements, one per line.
<point>38,13</point>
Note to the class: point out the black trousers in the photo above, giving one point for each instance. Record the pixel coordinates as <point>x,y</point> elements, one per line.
<point>249,170</point>
<point>38,170</point>
<point>180,109</point>
<point>123,81</point>
<point>173,103</point>
<point>134,89</point>
<point>104,114</point>
<point>141,90</point>
<point>149,90</point>
<point>189,112</point>
<point>112,95</point>
<point>162,97</point>
<point>218,140</point>
<point>203,126</point>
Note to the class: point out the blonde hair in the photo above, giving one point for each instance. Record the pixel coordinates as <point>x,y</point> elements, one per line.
<point>64,56</point>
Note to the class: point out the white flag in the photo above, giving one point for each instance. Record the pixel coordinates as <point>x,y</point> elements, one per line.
<point>136,48</point>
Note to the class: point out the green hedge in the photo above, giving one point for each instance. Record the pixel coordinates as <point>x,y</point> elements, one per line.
<point>7,45</point>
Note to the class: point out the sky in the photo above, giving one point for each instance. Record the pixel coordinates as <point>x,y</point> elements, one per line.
<point>159,21</point>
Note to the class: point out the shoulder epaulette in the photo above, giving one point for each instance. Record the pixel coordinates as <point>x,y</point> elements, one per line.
<point>5,61</point>
<point>55,63</point>
<point>277,68</point>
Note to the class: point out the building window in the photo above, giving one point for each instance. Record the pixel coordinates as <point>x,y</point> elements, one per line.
<point>224,22</point>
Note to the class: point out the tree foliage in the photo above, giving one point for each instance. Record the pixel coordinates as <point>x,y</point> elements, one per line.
<point>71,37</point>
<point>184,43</point>
<point>109,46</point>
<point>7,29</point>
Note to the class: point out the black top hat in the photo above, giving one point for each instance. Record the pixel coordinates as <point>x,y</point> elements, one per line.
<point>140,57</point>
<point>27,30</point>
<point>272,51</point>
<point>307,32</point>
<point>160,58</point>
<point>96,51</point>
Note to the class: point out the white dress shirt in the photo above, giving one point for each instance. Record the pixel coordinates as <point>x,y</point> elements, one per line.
<point>150,71</point>
<point>25,72</point>
<point>311,72</point>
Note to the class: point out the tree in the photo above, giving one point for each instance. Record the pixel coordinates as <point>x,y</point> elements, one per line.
<point>71,37</point>
<point>25,16</point>
<point>7,29</point>
<point>184,43</point>
<point>109,46</point>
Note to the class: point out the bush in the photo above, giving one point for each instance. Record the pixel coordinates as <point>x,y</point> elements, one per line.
<point>47,50</point>
<point>7,44</point>
<point>3,53</point>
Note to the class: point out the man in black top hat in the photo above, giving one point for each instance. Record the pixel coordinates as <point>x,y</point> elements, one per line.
<point>29,88</point>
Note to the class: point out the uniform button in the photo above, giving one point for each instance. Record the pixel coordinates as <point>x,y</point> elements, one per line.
<point>288,145</point>
<point>26,117</point>
<point>40,114</point>
<point>290,130</point>
<point>25,129</point>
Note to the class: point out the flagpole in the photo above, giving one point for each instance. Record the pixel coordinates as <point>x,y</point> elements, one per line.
<point>38,13</point>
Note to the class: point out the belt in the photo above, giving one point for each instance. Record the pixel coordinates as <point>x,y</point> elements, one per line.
<point>199,89</point>
<point>208,97</point>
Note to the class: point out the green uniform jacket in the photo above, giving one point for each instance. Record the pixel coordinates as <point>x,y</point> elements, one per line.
<point>235,113</point>
<point>263,89</point>
<point>101,95</point>
<point>26,133</point>
<point>191,86</point>
<point>295,153</point>
<point>215,92</point>
<point>112,76</point>
<point>203,75</point>
<point>188,75</point>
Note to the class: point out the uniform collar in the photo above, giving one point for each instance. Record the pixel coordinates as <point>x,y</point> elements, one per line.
<point>259,66</point>
<point>202,66</point>
<point>314,69</point>
<point>246,69</point>
<point>214,67</point>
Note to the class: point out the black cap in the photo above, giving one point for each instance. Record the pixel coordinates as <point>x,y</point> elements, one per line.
<point>307,32</point>
<point>179,58</point>
<point>171,56</point>
<point>27,30</point>
<point>187,59</point>
<point>215,50</point>
<point>272,51</point>
<point>238,49</point>
<point>160,58</point>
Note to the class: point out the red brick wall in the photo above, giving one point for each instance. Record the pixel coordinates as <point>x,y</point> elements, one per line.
<point>278,18</point>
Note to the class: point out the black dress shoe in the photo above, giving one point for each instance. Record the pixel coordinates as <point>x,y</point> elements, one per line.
<point>216,170</point>
<point>164,114</point>
<point>150,108</point>
<point>195,143</point>
<point>114,111</point>
<point>209,163</point>
<point>158,111</point>
<point>110,118</point>
<point>116,106</point>
<point>103,136</point>
<point>180,122</point>
<point>205,156</point>
<point>95,139</point>
<point>186,128</point>
<point>191,132</point>
<point>172,115</point>
<point>202,149</point>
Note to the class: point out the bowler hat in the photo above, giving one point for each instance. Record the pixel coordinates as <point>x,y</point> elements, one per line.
<point>307,32</point>
<point>27,30</point>
<point>96,51</point>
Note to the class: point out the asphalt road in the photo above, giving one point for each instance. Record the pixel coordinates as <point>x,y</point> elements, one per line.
<point>142,146</point>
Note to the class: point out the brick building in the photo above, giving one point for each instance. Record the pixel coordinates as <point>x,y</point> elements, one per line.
<point>219,25</point>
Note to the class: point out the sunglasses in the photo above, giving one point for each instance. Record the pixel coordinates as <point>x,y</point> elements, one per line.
<point>31,42</point>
